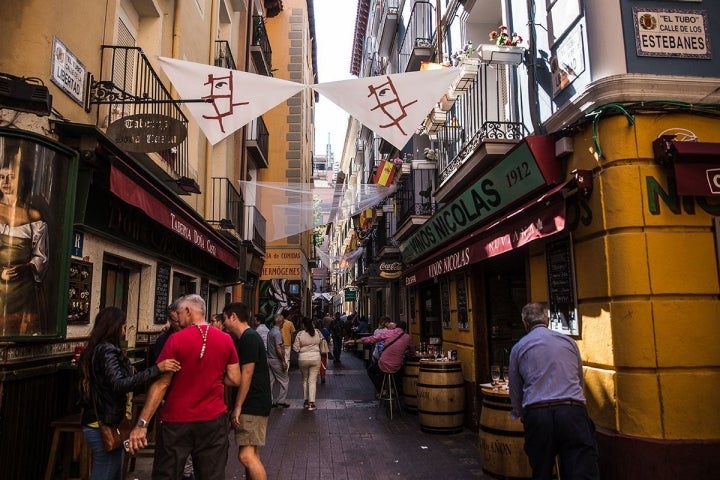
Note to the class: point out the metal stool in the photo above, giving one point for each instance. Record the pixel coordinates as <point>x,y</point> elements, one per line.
<point>392,399</point>
<point>69,424</point>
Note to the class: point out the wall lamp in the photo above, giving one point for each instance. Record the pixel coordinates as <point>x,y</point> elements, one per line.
<point>188,185</point>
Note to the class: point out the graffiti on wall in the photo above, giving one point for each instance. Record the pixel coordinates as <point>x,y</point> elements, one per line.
<point>279,294</point>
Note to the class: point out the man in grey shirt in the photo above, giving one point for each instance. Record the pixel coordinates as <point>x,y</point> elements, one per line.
<point>278,363</point>
<point>261,328</point>
<point>546,391</point>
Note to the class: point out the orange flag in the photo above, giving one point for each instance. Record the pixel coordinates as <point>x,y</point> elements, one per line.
<point>385,173</point>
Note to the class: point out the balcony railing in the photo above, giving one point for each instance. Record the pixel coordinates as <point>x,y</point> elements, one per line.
<point>386,227</point>
<point>486,112</point>
<point>255,227</point>
<point>417,44</point>
<point>257,141</point>
<point>227,207</point>
<point>414,195</point>
<point>387,28</point>
<point>223,55</point>
<point>128,85</point>
<point>260,47</point>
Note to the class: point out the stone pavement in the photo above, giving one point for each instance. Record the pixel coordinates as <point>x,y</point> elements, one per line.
<point>349,437</point>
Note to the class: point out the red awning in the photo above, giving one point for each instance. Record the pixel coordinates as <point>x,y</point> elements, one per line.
<point>697,168</point>
<point>537,219</point>
<point>172,217</point>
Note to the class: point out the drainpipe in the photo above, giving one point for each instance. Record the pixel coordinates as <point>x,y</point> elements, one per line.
<point>215,9</point>
<point>438,20</point>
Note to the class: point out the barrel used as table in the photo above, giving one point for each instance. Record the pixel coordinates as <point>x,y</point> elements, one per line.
<point>409,383</point>
<point>441,396</point>
<point>501,438</point>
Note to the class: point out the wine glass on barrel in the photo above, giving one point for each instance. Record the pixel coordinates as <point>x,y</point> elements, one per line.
<point>495,375</point>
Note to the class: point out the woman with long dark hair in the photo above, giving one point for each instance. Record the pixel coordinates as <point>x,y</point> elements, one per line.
<point>106,377</point>
<point>307,345</point>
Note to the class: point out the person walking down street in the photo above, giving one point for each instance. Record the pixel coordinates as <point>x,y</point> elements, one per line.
<point>546,392</point>
<point>277,363</point>
<point>288,331</point>
<point>217,321</point>
<point>323,356</point>
<point>254,401</point>
<point>307,345</point>
<point>397,344</point>
<point>193,417</point>
<point>336,330</point>
<point>106,377</point>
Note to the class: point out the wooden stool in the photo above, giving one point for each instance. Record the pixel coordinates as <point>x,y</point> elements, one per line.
<point>69,424</point>
<point>138,402</point>
<point>392,398</point>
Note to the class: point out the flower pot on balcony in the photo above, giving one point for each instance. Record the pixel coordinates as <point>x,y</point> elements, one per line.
<point>501,55</point>
<point>435,120</point>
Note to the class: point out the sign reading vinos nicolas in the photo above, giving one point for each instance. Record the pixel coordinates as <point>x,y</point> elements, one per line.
<point>515,176</point>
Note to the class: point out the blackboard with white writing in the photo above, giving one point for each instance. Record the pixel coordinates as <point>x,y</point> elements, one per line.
<point>561,286</point>
<point>162,292</point>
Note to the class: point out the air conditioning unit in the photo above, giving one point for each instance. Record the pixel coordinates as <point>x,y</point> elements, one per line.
<point>18,94</point>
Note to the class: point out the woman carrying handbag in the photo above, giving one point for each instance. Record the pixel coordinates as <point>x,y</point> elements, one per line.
<point>307,345</point>
<point>106,377</point>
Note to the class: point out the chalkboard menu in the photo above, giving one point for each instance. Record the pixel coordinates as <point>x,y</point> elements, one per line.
<point>445,302</point>
<point>461,290</point>
<point>561,286</point>
<point>162,292</point>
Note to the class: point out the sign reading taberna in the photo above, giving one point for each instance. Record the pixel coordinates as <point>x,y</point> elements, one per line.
<point>517,175</point>
<point>147,132</point>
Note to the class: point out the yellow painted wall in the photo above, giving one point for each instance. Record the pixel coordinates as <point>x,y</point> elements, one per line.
<point>290,123</point>
<point>647,287</point>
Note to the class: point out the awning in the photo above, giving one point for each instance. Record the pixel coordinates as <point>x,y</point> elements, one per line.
<point>539,218</point>
<point>696,164</point>
<point>325,296</point>
<point>697,168</point>
<point>169,214</point>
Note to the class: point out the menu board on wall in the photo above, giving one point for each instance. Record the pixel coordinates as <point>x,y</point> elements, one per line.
<point>462,302</point>
<point>561,286</point>
<point>162,292</point>
<point>445,302</point>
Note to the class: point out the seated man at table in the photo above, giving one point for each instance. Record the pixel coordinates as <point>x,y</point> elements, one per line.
<point>396,344</point>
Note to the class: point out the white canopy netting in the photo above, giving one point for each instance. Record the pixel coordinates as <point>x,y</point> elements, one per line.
<point>293,208</point>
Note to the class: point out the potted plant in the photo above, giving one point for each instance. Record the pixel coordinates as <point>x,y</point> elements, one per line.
<point>430,154</point>
<point>505,48</point>
<point>468,62</point>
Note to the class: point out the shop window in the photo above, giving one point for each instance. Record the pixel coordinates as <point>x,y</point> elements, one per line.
<point>115,287</point>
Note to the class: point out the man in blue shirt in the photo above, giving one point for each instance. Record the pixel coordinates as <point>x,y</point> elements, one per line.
<point>546,391</point>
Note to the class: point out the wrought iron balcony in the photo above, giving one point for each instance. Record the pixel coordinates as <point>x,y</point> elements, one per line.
<point>227,208</point>
<point>257,141</point>
<point>387,28</point>
<point>414,196</point>
<point>128,85</point>
<point>260,47</point>
<point>486,116</point>
<point>255,228</point>
<point>417,45</point>
<point>386,227</point>
<point>223,55</point>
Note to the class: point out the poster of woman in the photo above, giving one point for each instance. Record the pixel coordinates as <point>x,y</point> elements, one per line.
<point>33,191</point>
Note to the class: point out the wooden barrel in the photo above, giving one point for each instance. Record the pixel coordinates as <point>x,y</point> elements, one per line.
<point>441,397</point>
<point>409,384</point>
<point>501,438</point>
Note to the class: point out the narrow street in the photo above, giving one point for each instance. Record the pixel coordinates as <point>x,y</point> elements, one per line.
<point>349,437</point>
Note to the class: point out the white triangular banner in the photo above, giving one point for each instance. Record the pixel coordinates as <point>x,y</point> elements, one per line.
<point>237,97</point>
<point>393,106</point>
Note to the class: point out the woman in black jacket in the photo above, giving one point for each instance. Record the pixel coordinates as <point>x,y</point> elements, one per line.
<point>106,377</point>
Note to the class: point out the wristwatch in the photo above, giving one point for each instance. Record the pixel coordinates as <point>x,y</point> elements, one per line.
<point>142,423</point>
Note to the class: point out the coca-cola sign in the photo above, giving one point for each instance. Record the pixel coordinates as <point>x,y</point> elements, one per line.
<point>391,269</point>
